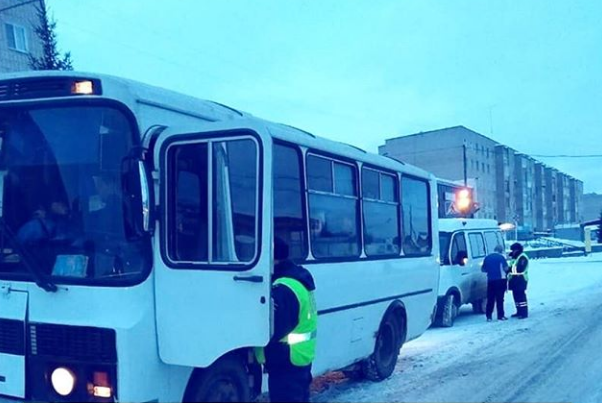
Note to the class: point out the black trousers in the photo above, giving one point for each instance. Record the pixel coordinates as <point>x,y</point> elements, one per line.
<point>290,385</point>
<point>518,285</point>
<point>495,296</point>
<point>520,300</point>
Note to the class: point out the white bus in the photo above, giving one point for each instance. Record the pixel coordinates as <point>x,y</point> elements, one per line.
<point>137,227</point>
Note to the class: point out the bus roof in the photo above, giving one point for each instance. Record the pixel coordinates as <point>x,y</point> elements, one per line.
<point>209,111</point>
<point>456,224</point>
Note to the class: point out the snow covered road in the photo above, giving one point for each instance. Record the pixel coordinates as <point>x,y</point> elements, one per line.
<point>553,356</point>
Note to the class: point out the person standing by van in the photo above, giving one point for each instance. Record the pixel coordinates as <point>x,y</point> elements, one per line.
<point>496,267</point>
<point>518,278</point>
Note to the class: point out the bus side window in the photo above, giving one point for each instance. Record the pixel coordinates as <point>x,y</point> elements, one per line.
<point>333,208</point>
<point>289,212</point>
<point>416,226</point>
<point>188,197</point>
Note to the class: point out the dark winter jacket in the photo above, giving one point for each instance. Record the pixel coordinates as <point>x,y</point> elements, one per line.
<point>496,267</point>
<point>519,282</point>
<point>286,315</point>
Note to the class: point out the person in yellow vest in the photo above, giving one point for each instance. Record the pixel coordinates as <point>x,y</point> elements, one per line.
<point>518,278</point>
<point>289,355</point>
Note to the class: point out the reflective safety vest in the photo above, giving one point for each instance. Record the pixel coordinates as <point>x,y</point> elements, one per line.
<point>514,268</point>
<point>302,339</point>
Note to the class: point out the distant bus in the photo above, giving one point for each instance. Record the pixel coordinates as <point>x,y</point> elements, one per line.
<point>137,227</point>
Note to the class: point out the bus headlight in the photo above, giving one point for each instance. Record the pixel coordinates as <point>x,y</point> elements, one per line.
<point>63,381</point>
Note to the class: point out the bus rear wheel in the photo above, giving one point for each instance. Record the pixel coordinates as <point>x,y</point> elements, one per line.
<point>381,364</point>
<point>225,381</point>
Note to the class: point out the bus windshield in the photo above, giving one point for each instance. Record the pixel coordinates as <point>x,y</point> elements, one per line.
<point>63,208</point>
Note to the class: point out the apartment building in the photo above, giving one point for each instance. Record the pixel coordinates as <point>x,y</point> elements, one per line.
<point>18,40</point>
<point>508,185</point>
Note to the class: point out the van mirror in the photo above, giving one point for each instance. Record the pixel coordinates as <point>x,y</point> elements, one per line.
<point>461,258</point>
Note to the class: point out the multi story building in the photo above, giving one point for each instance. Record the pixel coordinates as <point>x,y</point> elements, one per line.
<point>458,154</point>
<point>18,40</point>
<point>592,206</point>
<point>509,186</point>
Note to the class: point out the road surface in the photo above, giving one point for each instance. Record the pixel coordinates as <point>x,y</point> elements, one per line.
<point>553,356</point>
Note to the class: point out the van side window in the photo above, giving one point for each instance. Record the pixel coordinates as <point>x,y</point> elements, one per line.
<point>458,249</point>
<point>492,240</point>
<point>477,245</point>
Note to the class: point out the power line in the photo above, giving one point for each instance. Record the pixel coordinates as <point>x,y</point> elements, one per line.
<point>569,156</point>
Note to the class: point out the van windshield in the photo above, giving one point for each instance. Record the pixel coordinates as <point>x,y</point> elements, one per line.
<point>64,210</point>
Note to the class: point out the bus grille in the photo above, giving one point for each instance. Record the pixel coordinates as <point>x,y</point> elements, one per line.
<point>73,342</point>
<point>12,337</point>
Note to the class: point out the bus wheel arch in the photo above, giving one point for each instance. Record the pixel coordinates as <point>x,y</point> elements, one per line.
<point>389,338</point>
<point>227,379</point>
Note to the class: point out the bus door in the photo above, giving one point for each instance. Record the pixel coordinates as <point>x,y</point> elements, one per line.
<point>212,277</point>
<point>13,312</point>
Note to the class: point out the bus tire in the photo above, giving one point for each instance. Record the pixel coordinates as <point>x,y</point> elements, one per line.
<point>449,311</point>
<point>479,306</point>
<point>381,364</point>
<point>226,380</point>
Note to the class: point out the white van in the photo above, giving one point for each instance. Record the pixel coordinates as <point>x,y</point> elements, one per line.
<point>464,243</point>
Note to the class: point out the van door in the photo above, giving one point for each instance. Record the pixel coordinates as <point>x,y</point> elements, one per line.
<point>13,312</point>
<point>477,277</point>
<point>212,276</point>
<point>458,253</point>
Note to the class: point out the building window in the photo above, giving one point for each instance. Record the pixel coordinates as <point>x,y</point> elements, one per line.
<point>333,208</point>
<point>17,37</point>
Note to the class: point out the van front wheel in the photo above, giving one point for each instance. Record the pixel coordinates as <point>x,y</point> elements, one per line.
<point>450,311</point>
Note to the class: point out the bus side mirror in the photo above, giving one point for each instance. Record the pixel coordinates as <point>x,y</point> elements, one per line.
<point>137,198</point>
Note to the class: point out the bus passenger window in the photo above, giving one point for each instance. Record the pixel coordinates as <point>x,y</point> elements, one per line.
<point>289,213</point>
<point>188,196</point>
<point>416,222</point>
<point>333,208</point>
<point>234,201</point>
<point>381,213</point>
<point>213,219</point>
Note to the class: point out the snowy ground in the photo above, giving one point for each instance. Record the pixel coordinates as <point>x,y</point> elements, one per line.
<point>553,356</point>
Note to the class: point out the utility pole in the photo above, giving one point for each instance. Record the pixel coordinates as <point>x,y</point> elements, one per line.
<point>464,158</point>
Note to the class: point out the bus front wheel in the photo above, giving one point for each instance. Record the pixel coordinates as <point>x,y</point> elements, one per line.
<point>225,381</point>
<point>381,363</point>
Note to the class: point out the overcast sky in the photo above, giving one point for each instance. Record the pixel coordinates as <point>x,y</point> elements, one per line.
<point>525,73</point>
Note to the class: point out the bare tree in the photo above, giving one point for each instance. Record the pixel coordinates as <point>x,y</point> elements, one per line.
<point>51,58</point>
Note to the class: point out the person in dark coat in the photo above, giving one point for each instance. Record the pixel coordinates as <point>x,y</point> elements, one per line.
<point>291,350</point>
<point>518,278</point>
<point>496,267</point>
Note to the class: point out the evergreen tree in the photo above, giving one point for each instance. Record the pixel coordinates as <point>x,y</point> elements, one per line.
<point>51,58</point>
